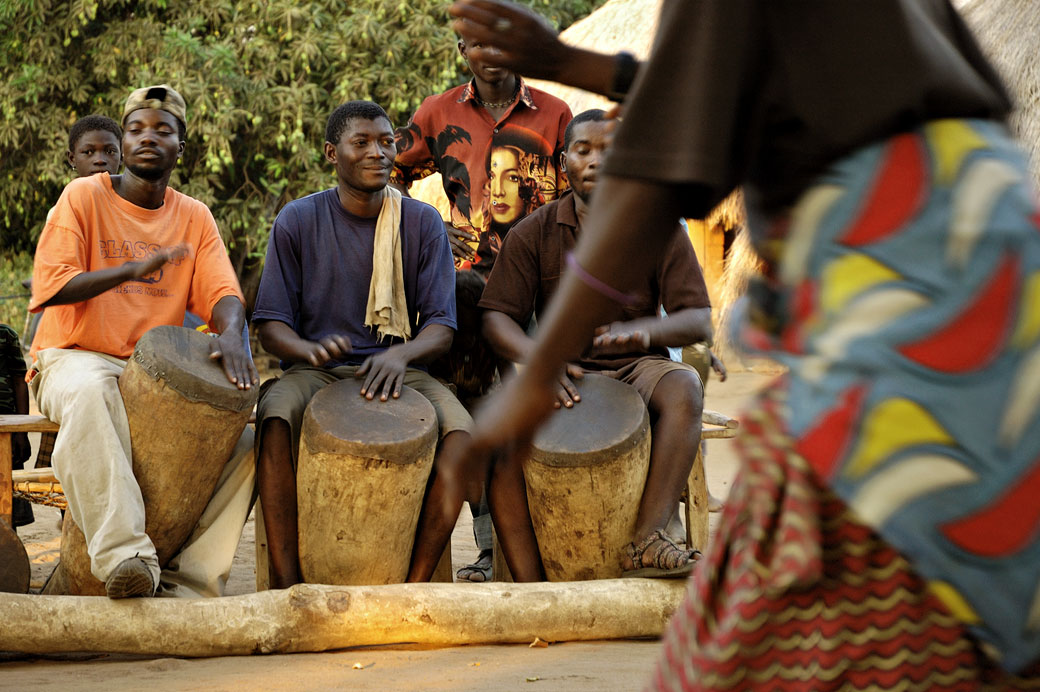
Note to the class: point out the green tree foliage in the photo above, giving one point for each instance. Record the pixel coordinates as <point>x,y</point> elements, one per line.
<point>259,76</point>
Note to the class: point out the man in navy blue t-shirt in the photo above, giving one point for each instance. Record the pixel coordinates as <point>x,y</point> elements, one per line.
<point>316,312</point>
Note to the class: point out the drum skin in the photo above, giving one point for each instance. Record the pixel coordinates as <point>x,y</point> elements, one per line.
<point>363,468</point>
<point>185,419</point>
<point>585,479</point>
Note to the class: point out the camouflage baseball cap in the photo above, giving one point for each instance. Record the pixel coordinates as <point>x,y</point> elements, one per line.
<point>161,97</point>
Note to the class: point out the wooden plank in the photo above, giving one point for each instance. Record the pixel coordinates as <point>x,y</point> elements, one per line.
<point>44,475</point>
<point>717,433</point>
<point>17,423</point>
<point>720,419</point>
<point>6,505</point>
<point>697,505</point>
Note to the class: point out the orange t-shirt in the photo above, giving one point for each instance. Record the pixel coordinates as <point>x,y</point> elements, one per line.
<point>93,228</point>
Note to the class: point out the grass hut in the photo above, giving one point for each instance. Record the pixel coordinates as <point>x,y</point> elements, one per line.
<point>1007,30</point>
<point>630,25</point>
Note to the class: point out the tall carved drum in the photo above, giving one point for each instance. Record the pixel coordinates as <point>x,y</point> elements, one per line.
<point>363,467</point>
<point>585,479</point>
<point>185,419</point>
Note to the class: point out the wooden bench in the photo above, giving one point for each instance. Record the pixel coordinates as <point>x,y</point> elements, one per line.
<point>14,563</point>
<point>9,425</point>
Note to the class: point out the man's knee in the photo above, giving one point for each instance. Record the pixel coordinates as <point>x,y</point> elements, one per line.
<point>679,394</point>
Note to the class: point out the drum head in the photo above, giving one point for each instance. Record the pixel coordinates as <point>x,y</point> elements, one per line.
<point>611,416</point>
<point>339,420</point>
<point>180,357</point>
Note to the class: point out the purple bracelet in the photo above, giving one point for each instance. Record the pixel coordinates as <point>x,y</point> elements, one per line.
<point>596,285</point>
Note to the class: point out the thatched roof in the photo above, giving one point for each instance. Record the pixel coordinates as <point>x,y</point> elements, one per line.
<point>626,25</point>
<point>1008,32</point>
<point>616,26</point>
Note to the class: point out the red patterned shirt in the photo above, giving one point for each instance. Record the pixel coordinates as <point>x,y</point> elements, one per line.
<point>495,173</point>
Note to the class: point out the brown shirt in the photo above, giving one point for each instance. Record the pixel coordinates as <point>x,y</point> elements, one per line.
<point>768,93</point>
<point>533,258</point>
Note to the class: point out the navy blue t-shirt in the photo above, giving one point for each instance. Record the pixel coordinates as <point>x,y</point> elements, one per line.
<point>319,267</point>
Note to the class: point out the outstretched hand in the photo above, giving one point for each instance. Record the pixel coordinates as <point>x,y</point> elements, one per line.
<point>506,423</point>
<point>511,36</point>
<point>621,337</point>
<point>158,259</point>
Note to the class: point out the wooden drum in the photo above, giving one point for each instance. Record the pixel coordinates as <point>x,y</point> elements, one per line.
<point>585,480</point>
<point>363,467</point>
<point>185,420</point>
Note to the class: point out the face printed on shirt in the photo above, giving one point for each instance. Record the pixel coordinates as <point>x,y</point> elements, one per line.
<point>504,186</point>
<point>518,182</point>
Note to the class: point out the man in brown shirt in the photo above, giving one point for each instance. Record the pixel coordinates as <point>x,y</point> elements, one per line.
<point>632,349</point>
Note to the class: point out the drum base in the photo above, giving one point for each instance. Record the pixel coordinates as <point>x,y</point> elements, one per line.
<point>14,561</point>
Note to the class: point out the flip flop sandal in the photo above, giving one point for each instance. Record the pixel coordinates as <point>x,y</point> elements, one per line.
<point>667,561</point>
<point>484,570</point>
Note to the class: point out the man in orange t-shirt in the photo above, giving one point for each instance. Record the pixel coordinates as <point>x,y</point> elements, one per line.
<point>120,255</point>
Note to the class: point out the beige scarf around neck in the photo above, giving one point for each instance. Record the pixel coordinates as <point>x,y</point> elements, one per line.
<point>387,309</point>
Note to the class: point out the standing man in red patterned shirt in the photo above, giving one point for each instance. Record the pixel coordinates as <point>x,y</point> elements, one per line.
<point>496,143</point>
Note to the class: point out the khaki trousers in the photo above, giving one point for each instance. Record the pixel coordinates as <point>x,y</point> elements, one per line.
<point>79,391</point>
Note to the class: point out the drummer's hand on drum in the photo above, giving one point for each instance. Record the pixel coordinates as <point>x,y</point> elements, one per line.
<point>238,366</point>
<point>331,347</point>
<point>228,320</point>
<point>384,374</point>
<point>567,394</point>
<point>621,337</point>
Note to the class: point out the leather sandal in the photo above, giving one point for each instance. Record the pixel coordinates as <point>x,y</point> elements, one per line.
<point>666,560</point>
<point>479,571</point>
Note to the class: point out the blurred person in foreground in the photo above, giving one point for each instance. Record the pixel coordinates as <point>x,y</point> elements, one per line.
<point>882,531</point>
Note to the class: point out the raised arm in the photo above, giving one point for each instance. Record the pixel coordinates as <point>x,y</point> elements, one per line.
<point>88,285</point>
<point>681,328</point>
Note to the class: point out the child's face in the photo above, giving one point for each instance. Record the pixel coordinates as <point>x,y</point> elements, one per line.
<point>96,151</point>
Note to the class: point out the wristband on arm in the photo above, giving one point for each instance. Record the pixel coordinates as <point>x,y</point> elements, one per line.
<point>625,68</point>
<point>600,287</point>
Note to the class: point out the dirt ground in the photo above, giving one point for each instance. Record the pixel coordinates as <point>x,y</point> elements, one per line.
<point>603,665</point>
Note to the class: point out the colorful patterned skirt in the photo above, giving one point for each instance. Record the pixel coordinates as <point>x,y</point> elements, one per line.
<point>884,529</point>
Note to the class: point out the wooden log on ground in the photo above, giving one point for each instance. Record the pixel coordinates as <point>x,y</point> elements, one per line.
<point>311,617</point>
